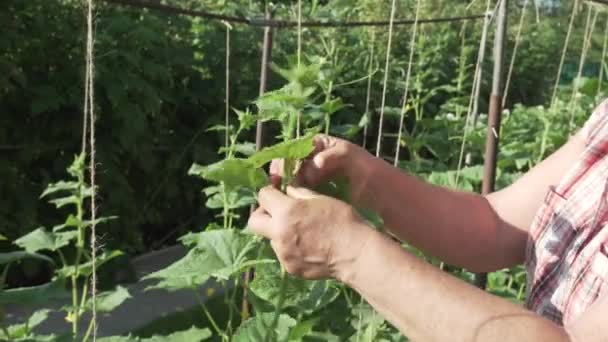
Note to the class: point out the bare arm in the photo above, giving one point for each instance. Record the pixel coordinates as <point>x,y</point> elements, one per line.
<point>464,229</point>
<point>430,305</point>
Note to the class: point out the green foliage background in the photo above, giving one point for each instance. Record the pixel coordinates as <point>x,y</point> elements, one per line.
<point>160,85</point>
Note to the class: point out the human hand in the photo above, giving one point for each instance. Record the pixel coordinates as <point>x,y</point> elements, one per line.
<point>332,159</point>
<point>313,236</point>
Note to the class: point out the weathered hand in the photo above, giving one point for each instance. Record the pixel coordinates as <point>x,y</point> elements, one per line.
<point>313,236</point>
<point>333,158</point>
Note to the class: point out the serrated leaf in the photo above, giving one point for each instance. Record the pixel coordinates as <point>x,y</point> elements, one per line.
<point>294,149</point>
<point>63,201</point>
<point>60,186</point>
<point>71,222</point>
<point>256,328</point>
<point>246,149</point>
<point>246,119</point>
<point>6,258</point>
<point>267,286</point>
<point>38,317</point>
<point>85,269</point>
<point>41,239</point>
<point>109,300</point>
<point>219,253</point>
<point>233,173</point>
<point>34,295</point>
<point>193,334</point>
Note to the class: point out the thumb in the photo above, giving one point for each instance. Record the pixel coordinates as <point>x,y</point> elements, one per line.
<point>300,193</point>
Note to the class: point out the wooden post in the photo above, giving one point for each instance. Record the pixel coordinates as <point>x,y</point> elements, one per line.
<point>494,114</point>
<point>259,134</point>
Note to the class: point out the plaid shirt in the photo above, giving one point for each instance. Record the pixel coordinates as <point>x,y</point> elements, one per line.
<point>567,253</point>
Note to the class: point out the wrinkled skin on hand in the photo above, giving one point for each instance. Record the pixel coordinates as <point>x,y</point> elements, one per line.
<point>313,236</point>
<point>332,159</point>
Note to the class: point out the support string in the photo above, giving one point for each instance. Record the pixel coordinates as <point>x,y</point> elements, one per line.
<point>515,47</point>
<point>602,61</point>
<point>589,28</point>
<point>564,51</point>
<point>407,83</point>
<point>474,98</point>
<point>368,95</point>
<point>386,69</point>
<point>89,106</point>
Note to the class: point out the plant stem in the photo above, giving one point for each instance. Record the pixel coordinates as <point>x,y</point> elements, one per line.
<point>209,316</point>
<point>230,303</point>
<point>279,306</point>
<point>79,251</point>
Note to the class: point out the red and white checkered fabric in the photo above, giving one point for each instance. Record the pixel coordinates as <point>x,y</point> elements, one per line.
<point>567,253</point>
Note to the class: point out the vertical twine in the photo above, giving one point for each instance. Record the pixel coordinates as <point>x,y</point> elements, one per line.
<point>368,95</point>
<point>299,57</point>
<point>386,69</point>
<point>589,28</point>
<point>227,86</point>
<point>564,51</point>
<point>407,83</point>
<point>516,45</point>
<point>474,98</point>
<point>90,106</point>
<point>602,61</point>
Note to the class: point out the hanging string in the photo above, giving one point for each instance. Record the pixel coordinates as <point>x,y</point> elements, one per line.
<point>475,88</point>
<point>299,57</point>
<point>386,69</point>
<point>589,28</point>
<point>89,110</point>
<point>565,49</point>
<point>479,71</point>
<point>407,83</point>
<point>602,61</point>
<point>514,56</point>
<point>227,85</point>
<point>370,72</point>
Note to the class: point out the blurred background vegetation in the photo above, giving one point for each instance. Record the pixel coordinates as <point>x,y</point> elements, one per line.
<point>160,85</point>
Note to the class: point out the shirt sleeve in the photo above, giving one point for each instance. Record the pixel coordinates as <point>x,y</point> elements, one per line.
<point>596,122</point>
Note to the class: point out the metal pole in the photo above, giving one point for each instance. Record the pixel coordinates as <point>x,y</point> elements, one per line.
<point>259,135</point>
<point>494,115</point>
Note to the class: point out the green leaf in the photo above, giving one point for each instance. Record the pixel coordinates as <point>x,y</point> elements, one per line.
<point>35,295</point>
<point>2,237</point>
<point>302,329</point>
<point>305,295</point>
<point>294,149</point>
<point>255,329</point>
<point>193,334</point>
<point>60,186</point>
<point>63,201</point>
<point>41,239</point>
<point>71,222</point>
<point>37,317</point>
<point>85,269</point>
<point>110,300</point>
<point>6,258</point>
<point>219,253</point>
<point>246,148</point>
<point>233,173</point>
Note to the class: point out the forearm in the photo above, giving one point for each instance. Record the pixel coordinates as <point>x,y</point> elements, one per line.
<point>429,305</point>
<point>459,228</point>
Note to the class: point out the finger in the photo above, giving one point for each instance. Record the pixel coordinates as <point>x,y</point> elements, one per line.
<point>276,167</point>
<point>319,167</point>
<point>300,193</point>
<point>272,200</point>
<point>260,223</point>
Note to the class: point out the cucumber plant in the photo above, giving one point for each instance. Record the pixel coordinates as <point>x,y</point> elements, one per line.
<point>71,260</point>
<point>285,307</point>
